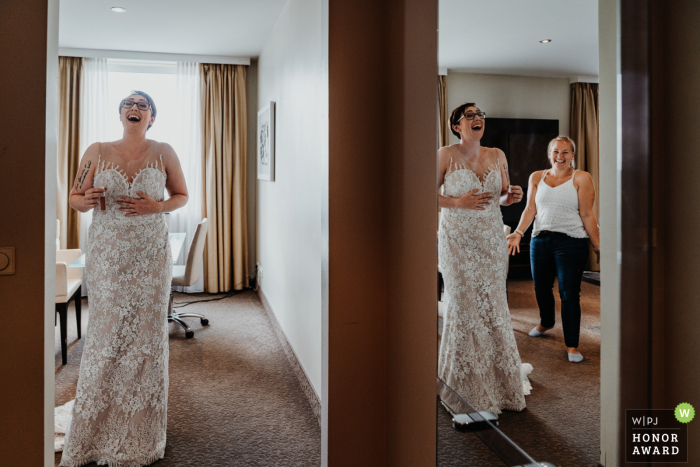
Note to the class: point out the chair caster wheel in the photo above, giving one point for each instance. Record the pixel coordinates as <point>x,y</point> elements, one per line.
<point>204,321</point>
<point>189,334</point>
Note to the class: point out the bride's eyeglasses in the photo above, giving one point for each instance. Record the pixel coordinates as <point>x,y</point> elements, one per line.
<point>471,115</point>
<point>142,105</point>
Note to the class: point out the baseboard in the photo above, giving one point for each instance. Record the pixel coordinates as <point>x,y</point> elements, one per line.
<point>301,375</point>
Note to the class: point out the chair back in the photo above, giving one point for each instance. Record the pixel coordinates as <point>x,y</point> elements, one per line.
<point>58,234</point>
<point>195,258</point>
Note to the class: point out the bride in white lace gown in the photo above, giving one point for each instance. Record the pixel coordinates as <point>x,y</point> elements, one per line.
<point>120,411</point>
<point>478,358</point>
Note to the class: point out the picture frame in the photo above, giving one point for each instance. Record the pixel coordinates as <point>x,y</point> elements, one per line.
<point>266,143</point>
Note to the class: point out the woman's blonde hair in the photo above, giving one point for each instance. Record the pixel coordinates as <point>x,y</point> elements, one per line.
<point>566,139</point>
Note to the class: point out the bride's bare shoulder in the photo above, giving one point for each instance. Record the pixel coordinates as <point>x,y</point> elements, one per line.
<point>447,151</point>
<point>169,156</point>
<point>445,155</point>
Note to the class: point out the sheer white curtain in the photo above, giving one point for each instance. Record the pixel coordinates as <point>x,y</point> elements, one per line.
<point>94,111</point>
<point>187,145</point>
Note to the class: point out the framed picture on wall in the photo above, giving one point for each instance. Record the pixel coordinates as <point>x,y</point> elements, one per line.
<point>266,143</point>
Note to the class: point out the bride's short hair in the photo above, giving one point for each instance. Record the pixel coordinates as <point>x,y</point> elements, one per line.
<point>456,114</point>
<point>148,98</point>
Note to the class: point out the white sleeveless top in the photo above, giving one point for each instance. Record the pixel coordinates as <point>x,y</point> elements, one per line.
<point>557,209</point>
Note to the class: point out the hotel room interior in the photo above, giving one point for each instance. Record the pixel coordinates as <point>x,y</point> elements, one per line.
<point>314,272</point>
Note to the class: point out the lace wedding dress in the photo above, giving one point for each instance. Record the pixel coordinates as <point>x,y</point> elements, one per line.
<point>119,414</point>
<point>479,358</point>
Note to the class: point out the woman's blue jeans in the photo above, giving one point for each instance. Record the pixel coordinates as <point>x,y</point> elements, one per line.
<point>554,254</point>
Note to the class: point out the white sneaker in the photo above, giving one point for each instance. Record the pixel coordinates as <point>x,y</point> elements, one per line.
<point>536,333</point>
<point>575,357</point>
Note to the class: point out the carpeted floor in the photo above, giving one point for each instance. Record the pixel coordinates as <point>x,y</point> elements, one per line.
<point>562,419</point>
<point>235,401</point>
<point>233,398</point>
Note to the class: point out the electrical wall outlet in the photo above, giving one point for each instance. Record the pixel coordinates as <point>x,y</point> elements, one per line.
<point>7,261</point>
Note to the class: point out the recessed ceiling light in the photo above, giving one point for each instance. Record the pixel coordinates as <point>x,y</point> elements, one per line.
<point>545,41</point>
<point>118,9</point>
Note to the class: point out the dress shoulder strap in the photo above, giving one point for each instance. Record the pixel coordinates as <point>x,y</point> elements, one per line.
<point>544,174</point>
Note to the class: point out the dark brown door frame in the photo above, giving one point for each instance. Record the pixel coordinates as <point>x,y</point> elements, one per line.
<point>636,220</point>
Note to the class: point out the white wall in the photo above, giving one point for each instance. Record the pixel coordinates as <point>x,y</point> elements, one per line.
<point>50,170</point>
<point>292,72</point>
<point>610,166</point>
<point>507,96</point>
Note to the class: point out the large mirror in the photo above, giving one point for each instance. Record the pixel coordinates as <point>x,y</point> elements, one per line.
<point>518,239</point>
<point>181,340</point>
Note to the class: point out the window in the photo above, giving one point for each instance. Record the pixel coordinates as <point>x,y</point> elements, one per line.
<point>157,79</point>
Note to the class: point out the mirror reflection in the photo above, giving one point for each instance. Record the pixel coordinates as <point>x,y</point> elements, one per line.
<point>518,238</point>
<point>169,204</point>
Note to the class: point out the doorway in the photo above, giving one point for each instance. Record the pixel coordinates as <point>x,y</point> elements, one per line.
<point>525,80</point>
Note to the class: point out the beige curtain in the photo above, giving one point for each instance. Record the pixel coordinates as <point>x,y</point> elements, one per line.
<point>69,79</point>
<point>584,131</point>
<point>443,122</point>
<point>224,130</point>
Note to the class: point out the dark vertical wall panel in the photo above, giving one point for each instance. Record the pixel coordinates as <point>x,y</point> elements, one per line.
<point>382,232</point>
<point>357,249</point>
<point>23,54</point>
<point>635,286</point>
<point>680,112</point>
<point>411,205</point>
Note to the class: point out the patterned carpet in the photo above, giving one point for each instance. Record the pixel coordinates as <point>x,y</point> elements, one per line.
<point>561,424</point>
<point>233,399</point>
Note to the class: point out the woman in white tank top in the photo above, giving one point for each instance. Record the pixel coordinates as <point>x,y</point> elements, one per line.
<point>560,201</point>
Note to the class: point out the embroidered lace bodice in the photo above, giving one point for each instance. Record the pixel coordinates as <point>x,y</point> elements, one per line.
<point>460,180</point>
<point>120,411</point>
<point>149,180</point>
<point>478,355</point>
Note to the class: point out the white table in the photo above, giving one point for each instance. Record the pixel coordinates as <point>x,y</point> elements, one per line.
<point>176,239</point>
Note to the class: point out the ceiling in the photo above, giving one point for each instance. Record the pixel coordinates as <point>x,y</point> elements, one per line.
<point>502,37</point>
<point>237,28</point>
<point>482,36</point>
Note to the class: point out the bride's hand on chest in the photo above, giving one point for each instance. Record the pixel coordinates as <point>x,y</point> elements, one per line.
<point>139,206</point>
<point>474,200</point>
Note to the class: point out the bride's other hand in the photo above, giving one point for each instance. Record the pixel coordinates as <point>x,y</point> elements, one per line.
<point>92,197</point>
<point>513,243</point>
<point>515,194</point>
<point>474,200</point>
<point>139,206</point>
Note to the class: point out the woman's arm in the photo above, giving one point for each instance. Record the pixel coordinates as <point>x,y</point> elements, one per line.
<point>515,195</point>
<point>586,198</point>
<point>83,196</point>
<point>175,184</point>
<point>528,214</point>
<point>470,200</point>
